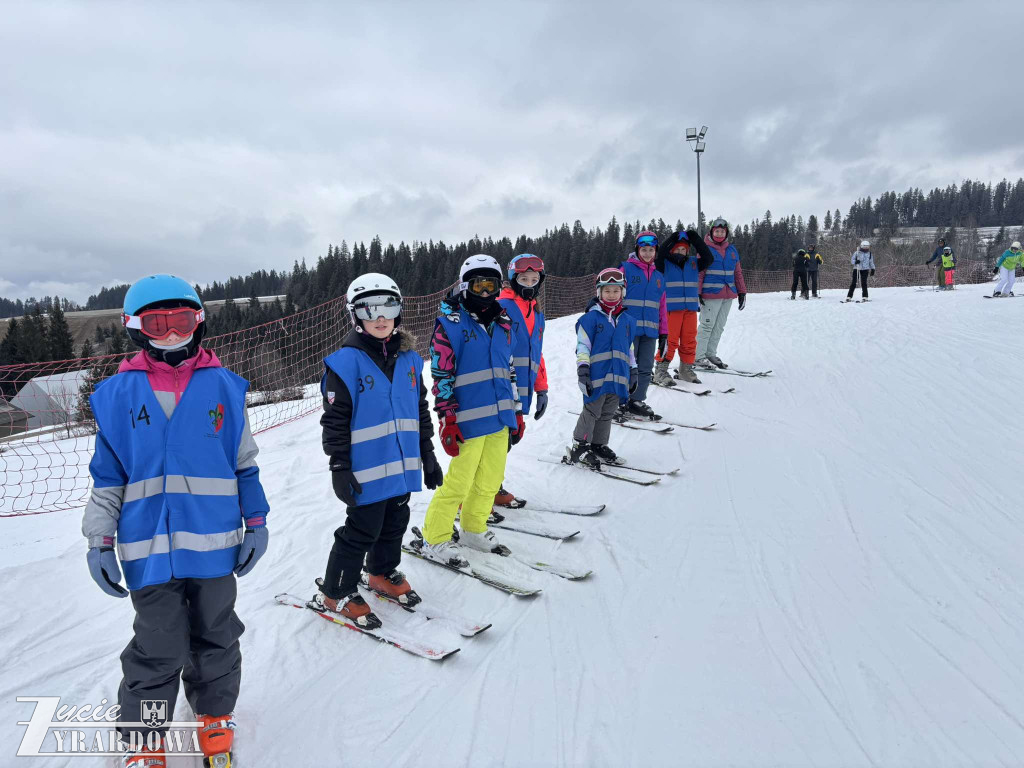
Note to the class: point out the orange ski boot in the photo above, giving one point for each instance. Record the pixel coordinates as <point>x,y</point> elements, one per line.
<point>394,587</point>
<point>351,606</point>
<point>145,758</point>
<point>216,738</point>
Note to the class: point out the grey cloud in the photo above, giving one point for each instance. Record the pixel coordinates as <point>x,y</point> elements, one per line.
<point>409,212</point>
<point>514,207</point>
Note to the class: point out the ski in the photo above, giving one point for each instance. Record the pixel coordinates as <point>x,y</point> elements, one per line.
<point>649,470</point>
<point>728,391</point>
<point>530,527</point>
<point>603,470</point>
<point>735,372</point>
<point>568,509</point>
<point>428,610</point>
<point>1010,296</point>
<point>564,571</point>
<point>645,426</point>
<point>481,567</point>
<point>702,393</point>
<point>396,637</point>
<point>704,428</point>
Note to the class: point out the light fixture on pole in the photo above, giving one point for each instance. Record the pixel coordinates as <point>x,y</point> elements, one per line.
<point>698,147</point>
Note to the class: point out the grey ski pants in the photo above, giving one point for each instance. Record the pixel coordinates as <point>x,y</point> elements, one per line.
<point>187,629</point>
<point>595,422</point>
<point>713,315</point>
<point>644,348</point>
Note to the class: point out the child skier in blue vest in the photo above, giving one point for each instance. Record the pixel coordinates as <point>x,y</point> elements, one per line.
<point>177,497</point>
<point>477,402</point>
<point>525,275</point>
<point>377,431</point>
<point>606,368</point>
<point>645,302</point>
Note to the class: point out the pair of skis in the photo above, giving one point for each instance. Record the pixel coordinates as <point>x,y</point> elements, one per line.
<point>701,393</point>
<point>623,471</point>
<point>659,426</point>
<point>733,372</point>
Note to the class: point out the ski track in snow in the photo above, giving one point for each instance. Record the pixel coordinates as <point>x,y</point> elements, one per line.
<point>833,578</point>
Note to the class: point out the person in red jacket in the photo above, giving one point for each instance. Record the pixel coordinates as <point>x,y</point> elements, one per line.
<point>519,298</point>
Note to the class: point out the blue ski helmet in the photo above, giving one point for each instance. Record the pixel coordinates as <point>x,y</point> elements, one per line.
<point>162,292</point>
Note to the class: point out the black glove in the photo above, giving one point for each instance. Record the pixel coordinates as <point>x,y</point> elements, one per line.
<point>995,271</point>
<point>701,300</point>
<point>662,343</point>
<point>344,481</point>
<point>583,379</point>
<point>433,477</point>
<point>634,380</point>
<point>542,405</point>
<point>872,273</point>
<point>743,301</point>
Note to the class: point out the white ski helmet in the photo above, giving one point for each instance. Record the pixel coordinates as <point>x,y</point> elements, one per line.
<point>374,284</point>
<point>480,265</point>
<point>1015,244</point>
<point>864,244</point>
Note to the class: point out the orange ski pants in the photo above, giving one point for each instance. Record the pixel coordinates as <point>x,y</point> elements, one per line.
<point>682,335</point>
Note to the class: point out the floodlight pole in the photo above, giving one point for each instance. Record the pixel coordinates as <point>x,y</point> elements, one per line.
<point>698,149</point>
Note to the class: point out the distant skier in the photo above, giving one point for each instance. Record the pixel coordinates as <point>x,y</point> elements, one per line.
<point>377,431</point>
<point>718,285</point>
<point>645,302</point>
<point>477,402</point>
<point>525,275</point>
<point>943,254</point>
<point>800,260</point>
<point>814,261</point>
<point>177,497</point>
<point>863,264</point>
<point>1006,268</point>
<point>681,258</point>
<point>606,368</point>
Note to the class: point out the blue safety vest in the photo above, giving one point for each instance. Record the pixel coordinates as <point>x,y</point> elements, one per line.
<point>483,383</point>
<point>610,344</point>
<point>181,510</point>
<point>385,426</point>
<point>526,349</point>
<point>643,298</point>
<point>722,272</point>
<point>681,286</point>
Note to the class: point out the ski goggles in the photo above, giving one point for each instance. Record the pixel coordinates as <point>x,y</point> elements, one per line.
<point>647,240</point>
<point>160,323</point>
<point>479,286</point>
<point>372,307</point>
<point>611,277</point>
<point>526,263</point>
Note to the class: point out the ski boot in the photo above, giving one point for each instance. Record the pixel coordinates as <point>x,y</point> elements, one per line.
<point>848,299</point>
<point>444,552</point>
<point>805,295</point>
<point>393,586</point>
<point>351,606</point>
<point>505,499</point>
<point>996,295</point>
<point>638,409</point>
<point>792,296</point>
<point>686,374</point>
<point>716,361</point>
<point>216,737</point>
<point>606,454</point>
<point>144,758</point>
<point>581,452</point>
<point>482,542</point>
<point>661,375</point>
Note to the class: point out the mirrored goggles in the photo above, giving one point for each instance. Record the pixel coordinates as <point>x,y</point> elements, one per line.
<point>526,263</point>
<point>161,323</point>
<point>372,307</point>
<point>483,285</point>
<point>647,240</point>
<point>611,277</point>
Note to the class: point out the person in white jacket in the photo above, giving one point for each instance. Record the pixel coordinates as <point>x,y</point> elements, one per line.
<point>863,262</point>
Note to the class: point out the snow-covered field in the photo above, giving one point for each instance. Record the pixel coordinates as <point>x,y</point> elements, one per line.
<point>835,578</point>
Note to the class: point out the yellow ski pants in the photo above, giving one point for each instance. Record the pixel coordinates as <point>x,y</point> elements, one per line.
<point>474,476</point>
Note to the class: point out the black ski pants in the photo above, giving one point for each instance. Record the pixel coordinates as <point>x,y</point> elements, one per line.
<point>187,629</point>
<point>863,283</point>
<point>372,532</point>
<point>812,277</point>
<point>800,277</point>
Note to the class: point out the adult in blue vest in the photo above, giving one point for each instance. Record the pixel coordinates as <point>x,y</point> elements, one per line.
<point>177,496</point>
<point>720,283</point>
<point>645,302</point>
<point>525,276</point>
<point>377,431</point>
<point>477,401</point>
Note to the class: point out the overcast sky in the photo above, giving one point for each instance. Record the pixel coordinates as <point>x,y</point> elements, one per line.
<point>210,139</point>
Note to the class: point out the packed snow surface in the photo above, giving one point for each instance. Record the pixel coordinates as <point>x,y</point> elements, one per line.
<point>834,578</point>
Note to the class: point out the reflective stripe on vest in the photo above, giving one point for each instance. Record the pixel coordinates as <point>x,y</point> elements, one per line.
<point>722,273</point>
<point>610,344</point>
<point>526,350</point>
<point>385,427</point>
<point>681,286</point>
<point>643,298</point>
<point>483,388</point>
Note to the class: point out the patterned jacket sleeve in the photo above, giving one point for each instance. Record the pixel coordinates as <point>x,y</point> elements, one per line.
<point>442,369</point>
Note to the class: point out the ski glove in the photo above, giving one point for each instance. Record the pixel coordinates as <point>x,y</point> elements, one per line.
<point>345,485</point>
<point>516,435</point>
<point>701,300</point>
<point>451,435</point>
<point>662,343</point>
<point>872,273</point>
<point>995,271</point>
<point>583,379</point>
<point>634,380</point>
<point>542,405</point>
<point>743,301</point>
<point>254,546</point>
<point>104,570</point>
<point>433,477</point>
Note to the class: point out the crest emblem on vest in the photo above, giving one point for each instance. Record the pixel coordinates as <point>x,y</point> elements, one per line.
<point>154,713</point>
<point>330,397</point>
<point>217,416</point>
<point>412,377</point>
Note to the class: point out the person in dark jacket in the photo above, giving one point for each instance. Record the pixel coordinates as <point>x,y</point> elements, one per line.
<point>814,261</point>
<point>946,260</point>
<point>681,258</point>
<point>800,259</point>
<point>376,418</point>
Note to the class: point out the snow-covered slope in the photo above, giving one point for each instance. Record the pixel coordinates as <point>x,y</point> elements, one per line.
<point>835,578</point>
